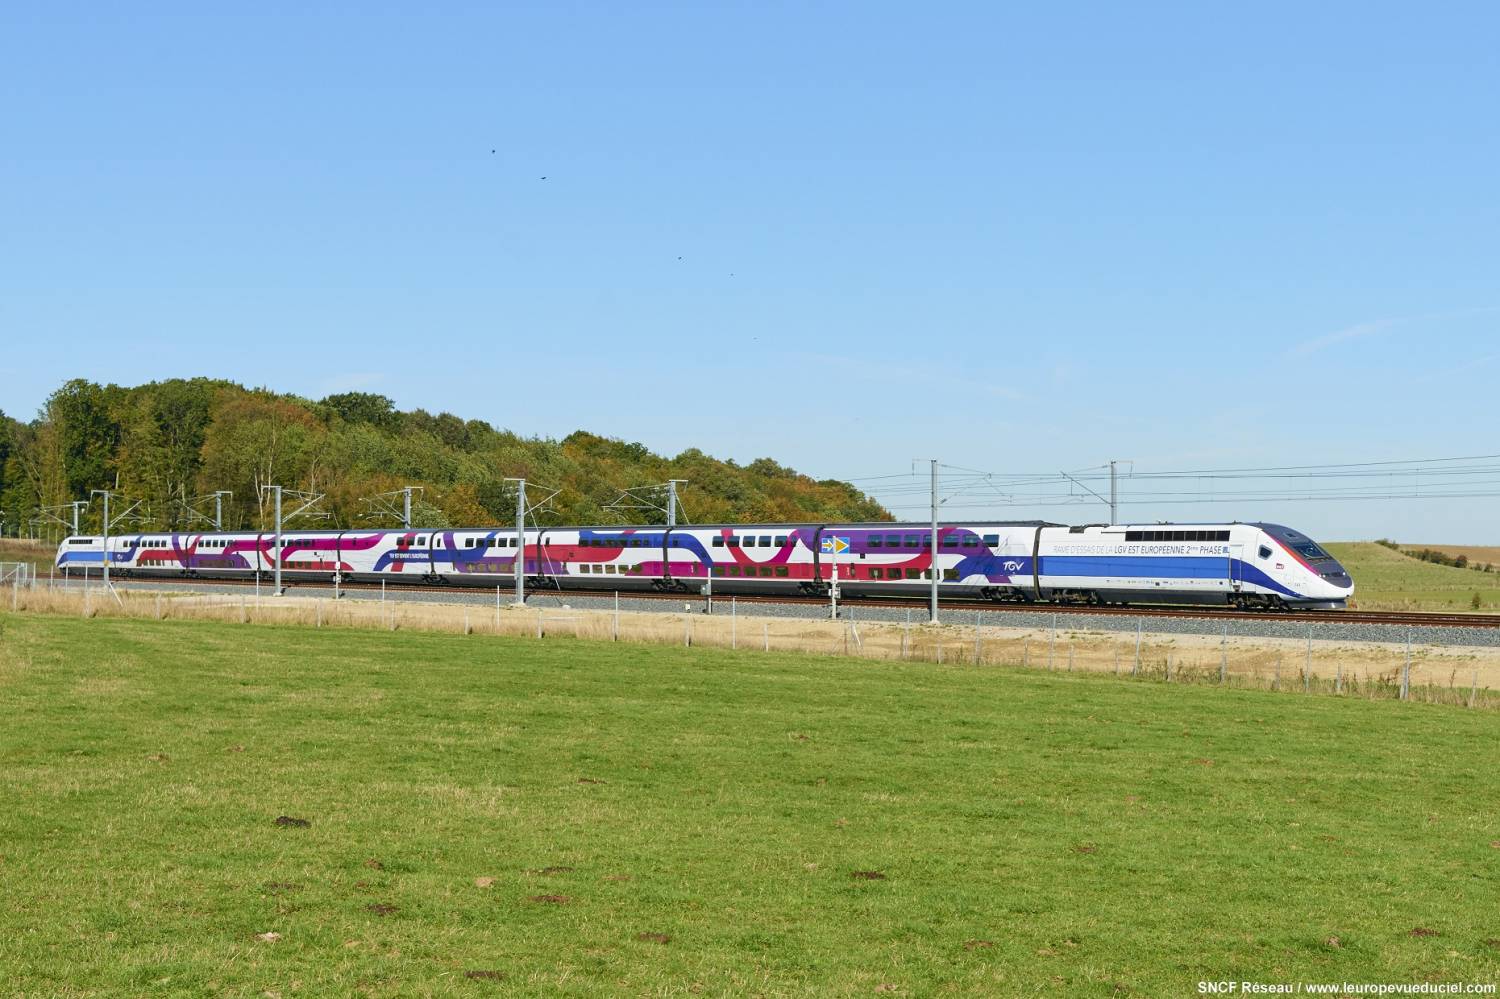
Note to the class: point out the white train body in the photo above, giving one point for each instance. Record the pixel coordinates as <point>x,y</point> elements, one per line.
<point>1244,565</point>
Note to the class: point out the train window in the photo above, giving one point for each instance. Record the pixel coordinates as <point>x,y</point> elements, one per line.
<point>873,541</point>
<point>950,542</point>
<point>912,540</point>
<point>893,541</point>
<point>971,542</point>
<point>748,541</point>
<point>781,571</point>
<point>877,573</point>
<point>421,541</point>
<point>765,570</point>
<point>734,541</point>
<point>913,573</point>
<point>734,570</point>
<point>765,541</point>
<point>718,570</point>
<point>950,574</point>
<point>718,542</point>
<point>992,539</point>
<point>926,573</point>
<point>1221,535</point>
<point>1264,552</point>
<point>780,540</point>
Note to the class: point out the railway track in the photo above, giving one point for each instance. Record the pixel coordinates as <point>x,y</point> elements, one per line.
<point>1426,620</point>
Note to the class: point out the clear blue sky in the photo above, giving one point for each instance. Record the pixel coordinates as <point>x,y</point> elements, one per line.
<point>1023,238</point>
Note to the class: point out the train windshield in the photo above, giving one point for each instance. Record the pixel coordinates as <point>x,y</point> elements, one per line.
<point>1310,551</point>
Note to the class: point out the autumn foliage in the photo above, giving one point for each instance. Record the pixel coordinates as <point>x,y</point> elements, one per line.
<point>169,444</point>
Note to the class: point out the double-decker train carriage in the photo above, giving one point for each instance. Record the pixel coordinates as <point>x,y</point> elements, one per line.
<point>1252,565</point>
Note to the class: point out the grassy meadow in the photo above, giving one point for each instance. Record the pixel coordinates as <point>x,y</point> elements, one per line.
<point>1388,580</point>
<point>489,815</point>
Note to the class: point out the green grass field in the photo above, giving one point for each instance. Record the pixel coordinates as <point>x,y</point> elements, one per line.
<point>1387,580</point>
<point>665,821</point>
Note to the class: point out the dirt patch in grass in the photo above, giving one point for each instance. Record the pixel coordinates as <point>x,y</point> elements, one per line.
<point>591,780</point>
<point>1085,848</point>
<point>374,864</point>
<point>660,938</point>
<point>288,821</point>
<point>380,909</point>
<point>550,899</point>
<point>281,887</point>
<point>617,877</point>
<point>485,975</point>
<point>867,875</point>
<point>1422,931</point>
<point>551,870</point>
<point>977,944</point>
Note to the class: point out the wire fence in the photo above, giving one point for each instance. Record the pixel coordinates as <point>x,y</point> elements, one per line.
<point>1414,672</point>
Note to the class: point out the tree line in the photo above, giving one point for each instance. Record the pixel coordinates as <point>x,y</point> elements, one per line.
<point>165,447</point>
<point>1459,561</point>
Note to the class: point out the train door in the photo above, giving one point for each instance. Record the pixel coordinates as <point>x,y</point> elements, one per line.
<point>1236,568</point>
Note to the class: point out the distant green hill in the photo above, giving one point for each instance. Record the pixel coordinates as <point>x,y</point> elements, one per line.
<point>1388,580</point>
<point>166,442</point>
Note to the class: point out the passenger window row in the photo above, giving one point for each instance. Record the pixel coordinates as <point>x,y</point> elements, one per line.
<point>1176,535</point>
<point>750,541</point>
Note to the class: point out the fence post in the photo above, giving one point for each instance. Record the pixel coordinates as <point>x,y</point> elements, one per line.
<point>977,639</point>
<point>1406,669</point>
<point>615,634</point>
<point>765,634</point>
<point>734,625</point>
<point>1307,669</point>
<point>1070,657</point>
<point>539,633</point>
<point>497,610</point>
<point>244,618</point>
<point>1473,688</point>
<point>1224,655</point>
<point>1136,669</point>
<point>158,606</point>
<point>1338,677</point>
<point>687,635</point>
<point>1276,684</point>
<point>468,630</point>
<point>1026,652</point>
<point>318,613</point>
<point>1169,667</point>
<point>1052,641</point>
<point>1117,662</point>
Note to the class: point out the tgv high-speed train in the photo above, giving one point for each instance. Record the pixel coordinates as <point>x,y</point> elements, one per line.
<point>1238,565</point>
